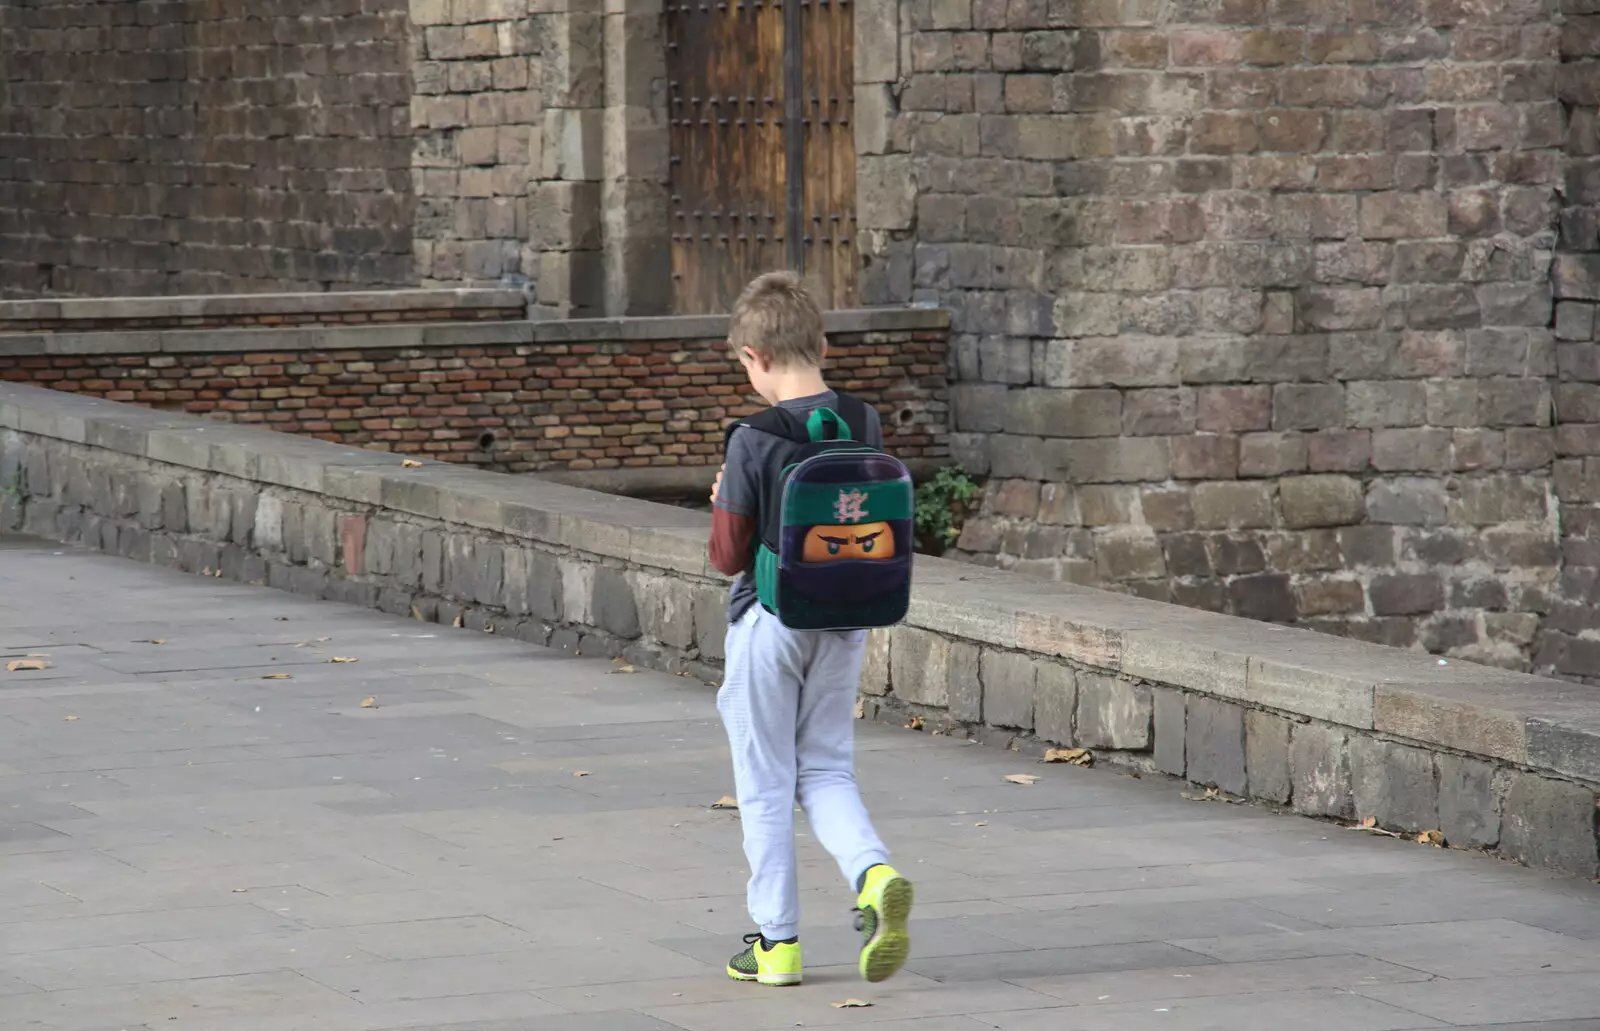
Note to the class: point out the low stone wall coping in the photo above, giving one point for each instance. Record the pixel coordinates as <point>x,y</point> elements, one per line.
<point>1446,704</point>
<point>214,305</point>
<point>420,334</point>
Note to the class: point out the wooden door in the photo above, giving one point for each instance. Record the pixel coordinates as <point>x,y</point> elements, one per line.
<point>760,102</point>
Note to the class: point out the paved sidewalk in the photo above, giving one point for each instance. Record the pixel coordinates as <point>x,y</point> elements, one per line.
<point>187,845</point>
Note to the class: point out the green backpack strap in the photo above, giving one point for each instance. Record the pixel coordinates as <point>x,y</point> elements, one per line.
<point>826,424</point>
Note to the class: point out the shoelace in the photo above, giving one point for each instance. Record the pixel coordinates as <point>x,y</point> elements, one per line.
<point>753,939</point>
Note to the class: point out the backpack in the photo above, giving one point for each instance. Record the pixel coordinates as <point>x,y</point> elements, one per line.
<point>836,523</point>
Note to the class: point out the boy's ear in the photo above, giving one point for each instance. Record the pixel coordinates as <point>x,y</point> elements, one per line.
<point>824,352</point>
<point>755,359</point>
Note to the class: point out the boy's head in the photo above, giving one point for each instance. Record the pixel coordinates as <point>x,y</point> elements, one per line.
<point>776,331</point>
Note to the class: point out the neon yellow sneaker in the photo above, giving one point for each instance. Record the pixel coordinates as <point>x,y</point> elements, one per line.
<point>778,965</point>
<point>882,909</point>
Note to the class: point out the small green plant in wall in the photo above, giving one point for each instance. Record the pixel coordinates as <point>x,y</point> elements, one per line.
<point>941,505</point>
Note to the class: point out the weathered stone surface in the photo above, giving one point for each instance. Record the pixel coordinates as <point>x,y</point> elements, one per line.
<point>1309,501</point>
<point>1394,784</point>
<point>919,665</point>
<point>1055,701</point>
<point>613,608</point>
<point>1266,756</point>
<point>1551,824</point>
<point>1008,689</point>
<point>1319,761</point>
<point>962,672</point>
<point>665,610</point>
<point>1214,744</point>
<point>1113,713</point>
<point>875,664</point>
<point>1469,802</point>
<point>710,621</point>
<point>1171,729</point>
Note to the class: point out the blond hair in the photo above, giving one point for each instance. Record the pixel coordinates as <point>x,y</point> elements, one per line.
<point>777,318</point>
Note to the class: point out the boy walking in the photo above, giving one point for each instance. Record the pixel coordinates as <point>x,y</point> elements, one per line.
<point>788,696</point>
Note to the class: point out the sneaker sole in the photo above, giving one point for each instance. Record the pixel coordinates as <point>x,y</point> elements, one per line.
<point>770,980</point>
<point>886,953</point>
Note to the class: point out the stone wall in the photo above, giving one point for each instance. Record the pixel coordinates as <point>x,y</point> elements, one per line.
<point>1571,638</point>
<point>1330,728</point>
<point>163,147</point>
<point>1252,298</point>
<point>646,397</point>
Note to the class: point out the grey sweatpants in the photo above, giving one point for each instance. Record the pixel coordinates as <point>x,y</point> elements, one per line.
<point>788,703</point>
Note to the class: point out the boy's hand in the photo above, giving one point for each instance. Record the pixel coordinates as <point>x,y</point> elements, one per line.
<point>717,486</point>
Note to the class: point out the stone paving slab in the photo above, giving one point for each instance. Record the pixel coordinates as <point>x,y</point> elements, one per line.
<point>200,848</point>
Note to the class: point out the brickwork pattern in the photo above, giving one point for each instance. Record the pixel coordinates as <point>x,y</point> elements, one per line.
<point>158,147</point>
<point>245,319</point>
<point>476,140</point>
<point>1567,643</point>
<point>1252,298</point>
<point>513,407</point>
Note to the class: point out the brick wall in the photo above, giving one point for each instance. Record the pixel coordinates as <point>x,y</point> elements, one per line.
<point>1252,298</point>
<point>161,147</point>
<point>492,395</point>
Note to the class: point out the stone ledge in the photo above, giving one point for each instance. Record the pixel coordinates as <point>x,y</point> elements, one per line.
<point>1331,727</point>
<point>211,306</point>
<point>420,334</point>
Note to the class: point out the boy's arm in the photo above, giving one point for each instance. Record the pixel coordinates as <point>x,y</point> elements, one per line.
<point>733,511</point>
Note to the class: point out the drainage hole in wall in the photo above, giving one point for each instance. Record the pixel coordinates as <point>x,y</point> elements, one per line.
<point>486,440</point>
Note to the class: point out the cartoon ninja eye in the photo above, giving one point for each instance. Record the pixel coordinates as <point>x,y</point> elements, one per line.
<point>833,547</point>
<point>866,545</point>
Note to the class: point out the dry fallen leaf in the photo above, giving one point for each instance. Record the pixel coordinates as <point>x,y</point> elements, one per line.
<point>1021,778</point>
<point>850,1004</point>
<point>369,703</point>
<point>1369,823</point>
<point>157,640</point>
<point>457,623</point>
<point>343,658</point>
<point>70,719</point>
<point>861,708</point>
<point>410,463</point>
<point>1434,838</point>
<point>915,724</point>
<point>1075,756</point>
<point>623,669</point>
<point>277,676</point>
<point>580,773</point>
<point>725,802</point>
<point>21,665</point>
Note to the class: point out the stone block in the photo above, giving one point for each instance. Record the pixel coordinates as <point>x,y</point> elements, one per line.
<point>1272,454</point>
<point>1394,784</point>
<point>1309,501</point>
<point>1469,802</point>
<point>1266,756</point>
<point>320,527</point>
<point>919,664</point>
<point>488,574</point>
<point>966,686</point>
<point>665,610</point>
<point>613,607</point>
<point>1406,594</point>
<point>711,622</point>
<point>1551,824</point>
<point>577,592</point>
<point>1171,728</point>
<point>1048,412</point>
<point>1319,764</point>
<point>174,507</point>
<point>1225,506</point>
<point>1113,713</point>
<point>887,192</point>
<point>1214,744</point>
<point>1055,700</point>
<point>1008,689</point>
<point>875,664</point>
